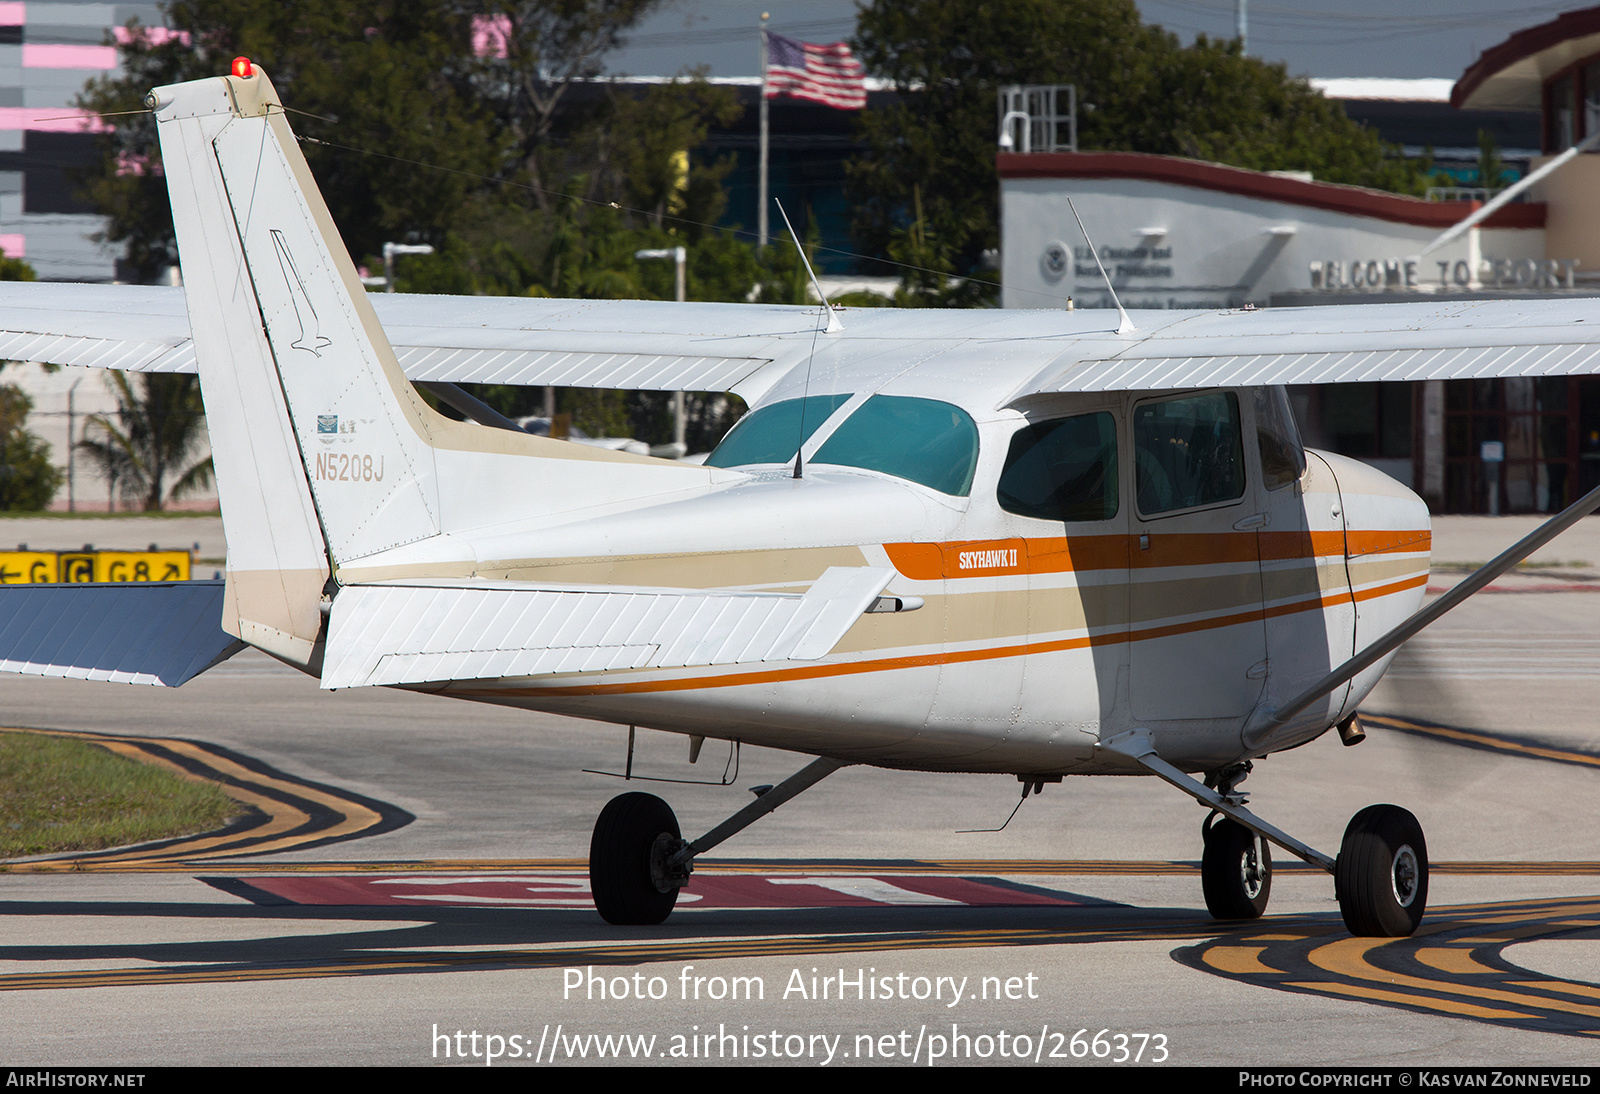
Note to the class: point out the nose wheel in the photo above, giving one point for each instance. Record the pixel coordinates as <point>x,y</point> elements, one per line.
<point>1235,870</point>
<point>1382,873</point>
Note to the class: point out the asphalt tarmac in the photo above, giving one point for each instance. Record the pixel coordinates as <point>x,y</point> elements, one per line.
<point>419,873</point>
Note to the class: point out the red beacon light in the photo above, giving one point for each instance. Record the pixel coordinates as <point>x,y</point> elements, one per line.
<point>242,68</point>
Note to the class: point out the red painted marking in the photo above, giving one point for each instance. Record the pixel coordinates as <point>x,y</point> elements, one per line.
<point>703,891</point>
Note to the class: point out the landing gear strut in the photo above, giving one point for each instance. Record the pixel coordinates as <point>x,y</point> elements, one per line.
<point>1380,876</point>
<point>638,860</point>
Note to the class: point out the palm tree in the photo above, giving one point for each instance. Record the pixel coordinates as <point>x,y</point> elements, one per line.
<point>158,427</point>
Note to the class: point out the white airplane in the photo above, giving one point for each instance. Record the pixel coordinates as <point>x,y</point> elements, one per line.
<point>984,541</point>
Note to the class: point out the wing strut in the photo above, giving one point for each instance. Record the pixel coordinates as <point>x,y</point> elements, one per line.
<point>470,405</point>
<point>1267,720</point>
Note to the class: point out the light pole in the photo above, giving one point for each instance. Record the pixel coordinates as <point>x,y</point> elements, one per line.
<point>72,450</point>
<point>392,249</point>
<point>681,255</point>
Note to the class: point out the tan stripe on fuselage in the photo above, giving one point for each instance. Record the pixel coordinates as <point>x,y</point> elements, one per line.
<point>742,678</point>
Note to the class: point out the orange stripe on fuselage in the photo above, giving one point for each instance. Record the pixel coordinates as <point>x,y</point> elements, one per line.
<point>1065,554</point>
<point>886,664</point>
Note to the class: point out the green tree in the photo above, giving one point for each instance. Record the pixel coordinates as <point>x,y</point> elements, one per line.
<point>536,50</point>
<point>1140,90</point>
<point>28,480</point>
<point>15,269</point>
<point>158,428</point>
<point>1492,173</point>
<point>393,77</point>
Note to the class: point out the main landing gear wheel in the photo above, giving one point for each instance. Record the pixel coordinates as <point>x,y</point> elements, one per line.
<point>628,875</point>
<point>1382,873</point>
<point>1235,871</point>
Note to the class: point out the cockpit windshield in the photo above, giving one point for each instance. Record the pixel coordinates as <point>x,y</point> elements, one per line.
<point>923,440</point>
<point>774,433</point>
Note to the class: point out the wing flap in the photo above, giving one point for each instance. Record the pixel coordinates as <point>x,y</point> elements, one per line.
<point>419,634</point>
<point>1250,370</point>
<point>133,633</point>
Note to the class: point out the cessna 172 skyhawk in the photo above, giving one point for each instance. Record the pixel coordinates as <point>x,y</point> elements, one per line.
<point>989,541</point>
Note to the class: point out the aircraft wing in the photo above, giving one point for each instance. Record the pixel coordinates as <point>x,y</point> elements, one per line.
<point>744,348</point>
<point>421,633</point>
<point>1445,340</point>
<point>638,344</point>
<point>162,633</point>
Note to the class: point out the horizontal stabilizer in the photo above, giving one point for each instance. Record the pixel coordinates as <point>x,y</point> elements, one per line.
<point>162,633</point>
<point>416,634</point>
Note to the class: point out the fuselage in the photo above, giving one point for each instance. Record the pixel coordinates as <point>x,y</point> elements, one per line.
<point>1177,576</point>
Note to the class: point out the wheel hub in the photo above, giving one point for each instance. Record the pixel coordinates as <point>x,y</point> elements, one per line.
<point>663,875</point>
<point>1250,869</point>
<point>1404,876</point>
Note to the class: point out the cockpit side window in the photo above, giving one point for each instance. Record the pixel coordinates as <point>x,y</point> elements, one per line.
<point>1065,469</point>
<point>1188,452</point>
<point>1283,457</point>
<point>923,440</point>
<point>773,434</point>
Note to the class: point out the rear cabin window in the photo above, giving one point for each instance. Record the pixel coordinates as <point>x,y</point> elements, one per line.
<point>923,440</point>
<point>1064,469</point>
<point>774,433</point>
<point>1188,452</point>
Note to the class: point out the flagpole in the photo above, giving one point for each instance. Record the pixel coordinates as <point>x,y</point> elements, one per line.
<point>761,195</point>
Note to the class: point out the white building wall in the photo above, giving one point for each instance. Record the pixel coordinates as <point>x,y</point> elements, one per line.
<point>1167,245</point>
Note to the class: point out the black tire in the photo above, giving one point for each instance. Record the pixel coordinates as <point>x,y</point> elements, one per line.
<point>621,879</point>
<point>1382,873</point>
<point>1235,871</point>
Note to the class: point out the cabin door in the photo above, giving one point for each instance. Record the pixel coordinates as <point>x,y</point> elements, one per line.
<point>1197,646</point>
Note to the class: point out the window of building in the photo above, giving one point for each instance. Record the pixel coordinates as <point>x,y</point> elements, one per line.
<point>1533,420</point>
<point>1561,114</point>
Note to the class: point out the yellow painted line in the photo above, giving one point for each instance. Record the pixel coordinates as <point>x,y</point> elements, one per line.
<point>282,817</point>
<point>243,784</point>
<point>1348,958</point>
<point>1487,741</point>
<point>1459,962</point>
<point>357,817</point>
<point>1449,1006</point>
<point>1588,991</point>
<point>1238,959</point>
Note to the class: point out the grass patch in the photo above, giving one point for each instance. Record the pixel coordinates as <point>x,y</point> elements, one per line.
<point>60,794</point>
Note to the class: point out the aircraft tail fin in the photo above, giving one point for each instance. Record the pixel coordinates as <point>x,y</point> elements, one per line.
<point>324,453</point>
<point>294,366</point>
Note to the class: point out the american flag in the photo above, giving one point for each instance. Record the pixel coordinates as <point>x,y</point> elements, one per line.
<point>828,74</point>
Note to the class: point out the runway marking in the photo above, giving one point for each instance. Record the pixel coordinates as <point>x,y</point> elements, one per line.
<point>705,891</point>
<point>287,813</point>
<point>1453,966</point>
<point>1485,741</point>
<point>365,962</point>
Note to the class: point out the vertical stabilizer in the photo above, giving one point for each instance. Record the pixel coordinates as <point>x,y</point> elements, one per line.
<point>277,557</point>
<point>325,454</point>
<point>320,442</point>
